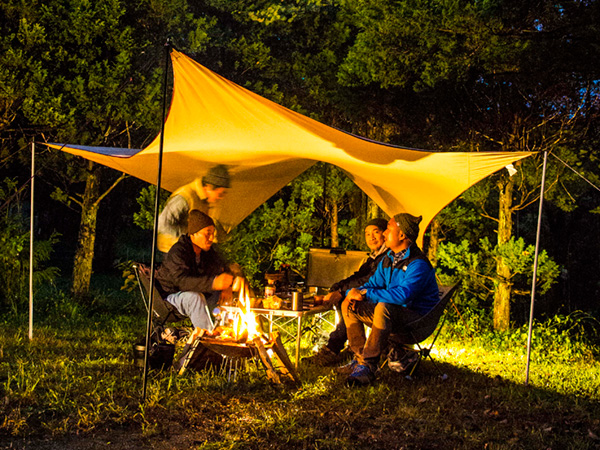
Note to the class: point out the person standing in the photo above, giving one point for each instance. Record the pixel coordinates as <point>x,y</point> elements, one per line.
<point>202,194</point>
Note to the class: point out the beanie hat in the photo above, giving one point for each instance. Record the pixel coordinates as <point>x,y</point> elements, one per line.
<point>409,224</point>
<point>197,220</point>
<point>379,223</point>
<point>218,176</point>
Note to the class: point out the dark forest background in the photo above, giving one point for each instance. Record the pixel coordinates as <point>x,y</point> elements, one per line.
<point>500,75</point>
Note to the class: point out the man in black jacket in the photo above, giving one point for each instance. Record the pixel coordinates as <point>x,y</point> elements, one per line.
<point>193,275</point>
<point>330,353</point>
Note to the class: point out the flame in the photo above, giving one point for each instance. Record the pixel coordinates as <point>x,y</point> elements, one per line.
<point>246,320</point>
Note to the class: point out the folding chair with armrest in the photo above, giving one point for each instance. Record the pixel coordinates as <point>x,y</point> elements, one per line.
<point>162,311</point>
<point>419,330</point>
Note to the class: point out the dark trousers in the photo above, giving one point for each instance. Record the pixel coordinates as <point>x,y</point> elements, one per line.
<point>338,337</point>
<point>383,319</point>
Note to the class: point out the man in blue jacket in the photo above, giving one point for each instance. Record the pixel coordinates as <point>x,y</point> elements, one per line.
<point>402,289</point>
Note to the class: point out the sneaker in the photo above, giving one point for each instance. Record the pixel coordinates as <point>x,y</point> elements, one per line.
<point>362,375</point>
<point>347,369</point>
<point>404,364</point>
<point>324,357</point>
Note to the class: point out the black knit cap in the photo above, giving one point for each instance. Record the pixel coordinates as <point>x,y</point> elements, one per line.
<point>409,224</point>
<point>197,220</point>
<point>379,223</point>
<point>218,176</point>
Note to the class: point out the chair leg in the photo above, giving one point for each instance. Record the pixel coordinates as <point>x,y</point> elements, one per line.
<point>443,376</point>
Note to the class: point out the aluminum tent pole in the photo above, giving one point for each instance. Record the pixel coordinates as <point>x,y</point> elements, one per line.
<point>535,267</point>
<point>155,231</point>
<point>31,242</point>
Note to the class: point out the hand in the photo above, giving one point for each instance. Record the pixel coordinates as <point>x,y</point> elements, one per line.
<point>333,298</point>
<point>226,297</point>
<point>354,294</point>
<point>236,269</point>
<point>222,281</point>
<point>238,282</point>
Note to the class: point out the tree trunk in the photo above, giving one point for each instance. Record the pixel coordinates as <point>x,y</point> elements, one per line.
<point>503,292</point>
<point>373,211</point>
<point>335,239</point>
<point>82,271</point>
<point>434,241</point>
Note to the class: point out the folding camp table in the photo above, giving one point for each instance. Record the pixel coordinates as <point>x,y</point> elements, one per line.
<point>288,316</point>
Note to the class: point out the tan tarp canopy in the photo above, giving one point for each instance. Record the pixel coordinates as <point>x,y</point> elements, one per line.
<point>214,121</point>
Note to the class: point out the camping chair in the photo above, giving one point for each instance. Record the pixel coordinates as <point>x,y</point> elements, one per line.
<point>162,311</point>
<point>419,330</point>
<point>325,267</point>
<point>162,348</point>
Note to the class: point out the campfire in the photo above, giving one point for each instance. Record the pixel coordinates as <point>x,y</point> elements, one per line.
<point>243,338</point>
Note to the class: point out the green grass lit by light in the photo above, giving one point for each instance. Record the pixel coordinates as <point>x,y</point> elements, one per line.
<point>80,378</point>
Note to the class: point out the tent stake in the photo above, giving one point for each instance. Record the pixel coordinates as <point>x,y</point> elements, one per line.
<point>535,267</point>
<point>156,206</point>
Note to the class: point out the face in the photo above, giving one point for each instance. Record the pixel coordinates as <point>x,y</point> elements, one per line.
<point>395,239</point>
<point>374,237</point>
<point>204,238</point>
<point>214,194</point>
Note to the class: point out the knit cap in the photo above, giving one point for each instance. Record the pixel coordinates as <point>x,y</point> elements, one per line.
<point>218,176</point>
<point>379,223</point>
<point>409,224</point>
<point>197,220</point>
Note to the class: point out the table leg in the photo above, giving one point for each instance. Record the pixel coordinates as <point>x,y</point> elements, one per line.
<point>298,337</point>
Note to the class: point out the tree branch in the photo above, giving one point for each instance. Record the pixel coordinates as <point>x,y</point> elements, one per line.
<point>117,181</point>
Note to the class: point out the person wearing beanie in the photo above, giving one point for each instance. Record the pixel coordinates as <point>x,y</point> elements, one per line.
<point>193,276</point>
<point>202,194</point>
<point>402,289</point>
<point>331,353</point>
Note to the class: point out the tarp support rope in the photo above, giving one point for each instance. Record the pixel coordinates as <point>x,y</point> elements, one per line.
<point>156,206</point>
<point>535,260</point>
<point>582,177</point>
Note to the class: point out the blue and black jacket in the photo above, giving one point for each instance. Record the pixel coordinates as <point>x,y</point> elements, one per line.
<point>410,283</point>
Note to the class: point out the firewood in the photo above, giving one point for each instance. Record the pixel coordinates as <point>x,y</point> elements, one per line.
<point>264,357</point>
<point>189,355</point>
<point>287,367</point>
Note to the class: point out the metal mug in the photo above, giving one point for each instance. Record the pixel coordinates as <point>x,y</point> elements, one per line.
<point>297,301</point>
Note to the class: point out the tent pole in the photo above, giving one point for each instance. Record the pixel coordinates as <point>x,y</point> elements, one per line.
<point>535,267</point>
<point>31,242</point>
<point>155,231</point>
<point>323,224</point>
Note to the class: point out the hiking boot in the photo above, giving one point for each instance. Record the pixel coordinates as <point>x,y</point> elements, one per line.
<point>347,369</point>
<point>362,375</point>
<point>405,364</point>
<point>324,357</point>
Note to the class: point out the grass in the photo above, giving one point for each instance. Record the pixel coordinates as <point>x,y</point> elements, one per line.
<point>74,386</point>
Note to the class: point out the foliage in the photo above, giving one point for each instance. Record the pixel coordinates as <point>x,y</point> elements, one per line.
<point>475,269</point>
<point>282,230</point>
<point>14,253</point>
<point>279,232</point>
<point>146,200</point>
<point>446,40</point>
